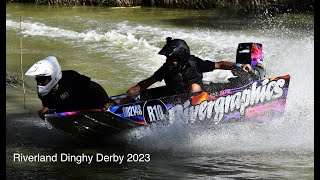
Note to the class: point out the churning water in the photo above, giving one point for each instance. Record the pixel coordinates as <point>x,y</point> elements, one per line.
<point>118,48</point>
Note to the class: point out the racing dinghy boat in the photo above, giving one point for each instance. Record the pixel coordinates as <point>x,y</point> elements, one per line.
<point>250,98</point>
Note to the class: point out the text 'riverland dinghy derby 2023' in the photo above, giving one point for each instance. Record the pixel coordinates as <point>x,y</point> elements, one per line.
<point>249,97</point>
<point>82,158</point>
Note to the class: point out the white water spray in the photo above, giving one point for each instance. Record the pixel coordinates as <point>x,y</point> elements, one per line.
<point>138,45</point>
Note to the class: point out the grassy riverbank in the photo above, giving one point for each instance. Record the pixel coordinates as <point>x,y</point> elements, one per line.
<point>245,5</point>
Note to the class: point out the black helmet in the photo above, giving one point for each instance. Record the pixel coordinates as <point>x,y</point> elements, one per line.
<point>175,49</point>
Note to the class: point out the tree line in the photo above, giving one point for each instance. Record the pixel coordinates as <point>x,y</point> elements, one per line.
<point>247,5</point>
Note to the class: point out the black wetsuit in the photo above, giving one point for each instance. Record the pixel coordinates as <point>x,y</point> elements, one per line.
<point>180,81</point>
<point>75,92</point>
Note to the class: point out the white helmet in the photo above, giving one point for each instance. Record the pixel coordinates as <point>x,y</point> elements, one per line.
<point>48,66</point>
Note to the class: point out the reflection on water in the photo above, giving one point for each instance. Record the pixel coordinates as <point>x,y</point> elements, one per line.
<point>121,45</point>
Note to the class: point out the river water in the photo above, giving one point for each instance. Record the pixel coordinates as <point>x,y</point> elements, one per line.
<point>117,47</point>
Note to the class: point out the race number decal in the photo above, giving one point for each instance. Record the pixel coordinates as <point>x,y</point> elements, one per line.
<point>154,110</point>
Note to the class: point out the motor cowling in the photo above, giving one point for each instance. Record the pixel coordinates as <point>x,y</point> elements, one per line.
<point>251,53</point>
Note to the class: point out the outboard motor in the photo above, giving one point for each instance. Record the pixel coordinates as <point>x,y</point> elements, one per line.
<point>251,53</point>
<point>248,53</point>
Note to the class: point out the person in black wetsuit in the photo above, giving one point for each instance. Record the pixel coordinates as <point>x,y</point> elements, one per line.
<point>66,90</point>
<point>182,72</point>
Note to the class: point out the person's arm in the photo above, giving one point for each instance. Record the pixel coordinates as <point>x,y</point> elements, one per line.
<point>231,65</point>
<point>42,111</point>
<point>99,96</point>
<point>45,105</point>
<point>141,86</point>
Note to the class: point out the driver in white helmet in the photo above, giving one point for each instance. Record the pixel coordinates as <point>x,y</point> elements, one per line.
<point>66,90</point>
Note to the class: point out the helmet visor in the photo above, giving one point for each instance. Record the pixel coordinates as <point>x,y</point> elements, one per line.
<point>173,60</point>
<point>43,80</point>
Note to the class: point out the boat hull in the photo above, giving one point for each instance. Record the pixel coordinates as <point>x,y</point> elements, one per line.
<point>258,100</point>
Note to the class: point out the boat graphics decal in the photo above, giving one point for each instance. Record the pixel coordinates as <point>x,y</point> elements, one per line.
<point>257,100</point>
